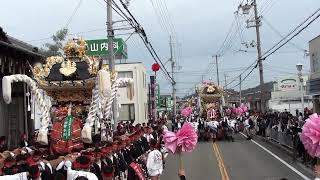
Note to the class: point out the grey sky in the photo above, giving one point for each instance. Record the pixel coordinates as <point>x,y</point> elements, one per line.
<point>201,27</point>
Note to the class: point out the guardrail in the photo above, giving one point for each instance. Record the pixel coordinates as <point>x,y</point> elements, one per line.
<point>282,138</point>
<point>292,143</point>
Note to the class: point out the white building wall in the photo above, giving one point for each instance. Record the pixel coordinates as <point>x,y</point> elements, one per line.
<point>289,99</point>
<point>140,90</point>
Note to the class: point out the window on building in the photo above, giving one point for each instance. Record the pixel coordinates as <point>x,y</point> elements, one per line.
<point>125,74</point>
<point>126,112</point>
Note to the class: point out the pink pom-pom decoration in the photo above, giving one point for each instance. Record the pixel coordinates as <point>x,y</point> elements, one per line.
<point>186,112</point>
<point>234,110</point>
<point>310,136</point>
<point>244,108</point>
<point>189,109</point>
<point>185,140</point>
<point>240,111</point>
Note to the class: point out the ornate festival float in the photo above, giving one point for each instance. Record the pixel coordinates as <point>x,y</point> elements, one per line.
<point>81,95</point>
<point>211,97</point>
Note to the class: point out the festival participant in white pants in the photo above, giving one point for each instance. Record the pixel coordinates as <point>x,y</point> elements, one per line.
<point>213,126</point>
<point>154,161</point>
<point>19,176</point>
<point>248,125</point>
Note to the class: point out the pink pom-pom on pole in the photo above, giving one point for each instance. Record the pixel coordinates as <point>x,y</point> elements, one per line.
<point>185,140</point>
<point>310,136</point>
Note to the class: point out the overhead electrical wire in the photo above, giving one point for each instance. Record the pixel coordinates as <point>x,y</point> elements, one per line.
<point>144,38</point>
<point>280,35</point>
<point>273,51</point>
<point>134,23</point>
<point>263,8</point>
<point>73,14</point>
<point>274,48</point>
<point>254,64</point>
<point>160,18</point>
<point>219,52</point>
<point>244,78</point>
<point>267,53</point>
<point>169,17</point>
<point>279,71</point>
<point>267,7</point>
<point>240,28</point>
<point>163,15</point>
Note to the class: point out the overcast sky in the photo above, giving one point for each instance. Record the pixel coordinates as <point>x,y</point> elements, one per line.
<point>200,28</point>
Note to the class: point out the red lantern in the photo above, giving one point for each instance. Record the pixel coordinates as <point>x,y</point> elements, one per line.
<point>155,67</point>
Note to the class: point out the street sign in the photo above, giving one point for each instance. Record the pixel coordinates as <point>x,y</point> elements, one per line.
<point>165,101</point>
<point>99,47</point>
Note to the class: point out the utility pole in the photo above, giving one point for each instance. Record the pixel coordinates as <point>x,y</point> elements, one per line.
<point>217,68</point>
<point>240,93</point>
<point>256,23</point>
<point>174,98</point>
<point>111,56</point>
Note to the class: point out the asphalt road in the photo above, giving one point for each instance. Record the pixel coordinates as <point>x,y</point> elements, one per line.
<point>239,160</point>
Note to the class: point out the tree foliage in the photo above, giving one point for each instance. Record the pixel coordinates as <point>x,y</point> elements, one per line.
<point>56,47</point>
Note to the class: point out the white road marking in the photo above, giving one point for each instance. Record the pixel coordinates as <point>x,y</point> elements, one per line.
<point>281,160</point>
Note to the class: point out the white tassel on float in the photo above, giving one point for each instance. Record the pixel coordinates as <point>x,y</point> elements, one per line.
<point>39,98</point>
<point>92,114</point>
<point>100,94</point>
<point>121,82</point>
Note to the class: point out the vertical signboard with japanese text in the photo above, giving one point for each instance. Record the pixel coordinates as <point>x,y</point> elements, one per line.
<point>153,97</point>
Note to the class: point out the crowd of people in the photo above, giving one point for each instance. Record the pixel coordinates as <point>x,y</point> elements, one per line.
<point>136,152</point>
<point>271,124</point>
<point>289,126</point>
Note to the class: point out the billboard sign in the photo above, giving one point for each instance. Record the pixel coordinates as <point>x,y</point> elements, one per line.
<point>288,84</point>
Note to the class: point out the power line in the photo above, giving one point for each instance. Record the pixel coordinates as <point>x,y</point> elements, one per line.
<point>243,79</point>
<point>273,51</point>
<point>280,35</point>
<point>240,28</point>
<point>279,52</point>
<point>145,40</point>
<point>245,70</point>
<point>73,14</point>
<point>279,71</point>
<point>164,16</point>
<point>159,18</point>
<point>169,17</point>
<point>226,38</point>
<point>267,9</point>
<point>289,34</point>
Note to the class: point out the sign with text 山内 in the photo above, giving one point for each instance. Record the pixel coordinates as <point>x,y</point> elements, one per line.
<point>99,47</point>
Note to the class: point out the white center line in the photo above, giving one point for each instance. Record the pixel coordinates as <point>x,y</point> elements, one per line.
<point>278,158</point>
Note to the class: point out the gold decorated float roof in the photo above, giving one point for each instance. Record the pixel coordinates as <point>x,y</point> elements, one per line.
<point>75,71</point>
<point>209,92</point>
